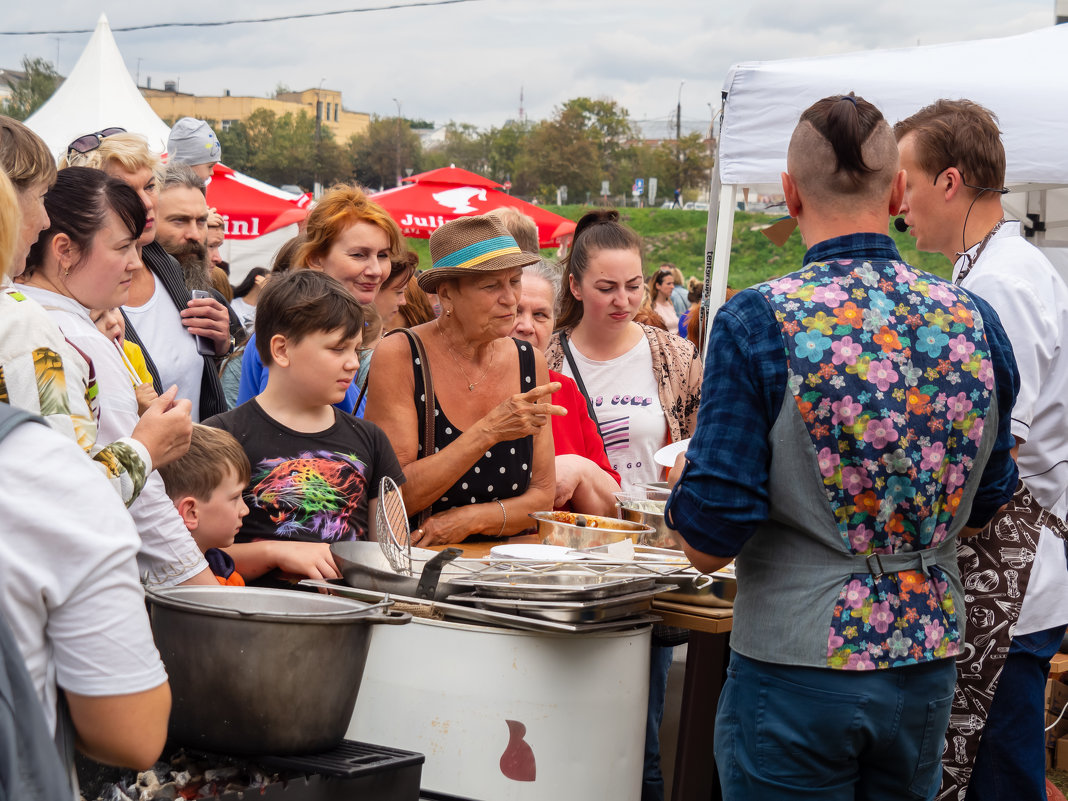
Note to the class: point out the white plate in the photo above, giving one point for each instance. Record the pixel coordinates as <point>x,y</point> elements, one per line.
<point>665,457</point>
<point>535,551</point>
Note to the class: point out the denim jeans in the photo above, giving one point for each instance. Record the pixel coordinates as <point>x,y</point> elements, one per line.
<point>652,779</point>
<point>1011,760</point>
<point>785,732</point>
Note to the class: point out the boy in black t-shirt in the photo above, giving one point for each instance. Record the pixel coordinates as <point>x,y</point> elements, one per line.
<point>315,470</point>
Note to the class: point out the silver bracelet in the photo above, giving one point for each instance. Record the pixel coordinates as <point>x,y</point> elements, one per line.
<point>504,522</point>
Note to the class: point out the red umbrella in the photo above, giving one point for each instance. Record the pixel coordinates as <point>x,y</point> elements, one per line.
<point>430,199</point>
<point>252,208</point>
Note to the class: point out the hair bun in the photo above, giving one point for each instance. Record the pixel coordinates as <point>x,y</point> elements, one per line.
<point>595,217</point>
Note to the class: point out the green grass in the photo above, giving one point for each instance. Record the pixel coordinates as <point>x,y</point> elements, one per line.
<point>678,236</point>
<point>1059,779</point>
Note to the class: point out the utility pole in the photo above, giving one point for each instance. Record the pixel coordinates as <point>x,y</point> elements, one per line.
<point>678,138</point>
<point>398,171</point>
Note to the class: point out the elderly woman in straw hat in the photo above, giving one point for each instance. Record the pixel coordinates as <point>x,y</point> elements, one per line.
<point>491,461</point>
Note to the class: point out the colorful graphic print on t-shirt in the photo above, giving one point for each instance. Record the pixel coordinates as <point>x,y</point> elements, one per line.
<point>314,496</point>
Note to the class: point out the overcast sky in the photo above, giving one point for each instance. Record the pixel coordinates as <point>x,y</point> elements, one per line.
<point>468,62</point>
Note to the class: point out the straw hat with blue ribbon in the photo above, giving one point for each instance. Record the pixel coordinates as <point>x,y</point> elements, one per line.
<point>469,246</point>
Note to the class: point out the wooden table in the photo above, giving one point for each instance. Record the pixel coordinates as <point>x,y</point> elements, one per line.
<point>707,655</point>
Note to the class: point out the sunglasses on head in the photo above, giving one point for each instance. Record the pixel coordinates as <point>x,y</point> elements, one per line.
<point>90,142</point>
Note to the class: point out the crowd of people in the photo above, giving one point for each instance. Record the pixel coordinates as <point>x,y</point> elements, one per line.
<point>861,433</point>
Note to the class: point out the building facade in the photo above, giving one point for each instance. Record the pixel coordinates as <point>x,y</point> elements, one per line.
<point>322,104</point>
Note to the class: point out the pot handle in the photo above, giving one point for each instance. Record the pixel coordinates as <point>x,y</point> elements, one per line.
<point>368,612</point>
<point>394,617</point>
<point>702,581</point>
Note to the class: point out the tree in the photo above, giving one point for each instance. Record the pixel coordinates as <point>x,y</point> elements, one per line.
<point>285,150</point>
<point>387,145</point>
<point>463,146</point>
<point>503,146</point>
<point>558,153</point>
<point>689,159</point>
<point>31,92</point>
<point>234,144</point>
<point>582,145</point>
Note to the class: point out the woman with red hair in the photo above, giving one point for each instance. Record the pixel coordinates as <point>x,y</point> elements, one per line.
<point>352,239</point>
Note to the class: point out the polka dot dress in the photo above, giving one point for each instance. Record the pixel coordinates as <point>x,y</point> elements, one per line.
<point>504,470</point>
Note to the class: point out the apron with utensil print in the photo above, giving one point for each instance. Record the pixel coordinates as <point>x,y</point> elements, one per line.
<point>995,568</point>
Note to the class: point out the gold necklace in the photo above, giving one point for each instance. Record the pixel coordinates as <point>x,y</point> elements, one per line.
<point>470,384</point>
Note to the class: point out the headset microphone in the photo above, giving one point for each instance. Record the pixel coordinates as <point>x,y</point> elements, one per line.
<point>901,225</point>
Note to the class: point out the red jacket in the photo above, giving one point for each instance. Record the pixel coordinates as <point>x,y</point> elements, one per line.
<point>575,432</point>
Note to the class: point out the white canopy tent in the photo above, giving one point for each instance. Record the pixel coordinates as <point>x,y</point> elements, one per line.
<point>1019,78</point>
<point>99,93</point>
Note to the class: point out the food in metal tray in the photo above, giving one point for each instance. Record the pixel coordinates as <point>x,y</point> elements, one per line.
<point>582,521</point>
<point>574,530</point>
<point>643,505</point>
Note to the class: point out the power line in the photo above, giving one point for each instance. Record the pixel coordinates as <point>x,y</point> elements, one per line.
<point>309,15</point>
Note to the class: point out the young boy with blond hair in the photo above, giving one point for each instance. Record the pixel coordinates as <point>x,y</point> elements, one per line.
<point>207,487</point>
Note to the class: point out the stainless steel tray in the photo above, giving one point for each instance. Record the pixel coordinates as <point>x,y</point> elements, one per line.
<point>559,585</point>
<point>487,616</point>
<point>599,611</point>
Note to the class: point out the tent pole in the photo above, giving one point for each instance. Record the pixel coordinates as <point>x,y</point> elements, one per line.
<point>712,300</point>
<point>718,256</point>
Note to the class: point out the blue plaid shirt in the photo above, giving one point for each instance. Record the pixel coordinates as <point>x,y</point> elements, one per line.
<point>722,496</point>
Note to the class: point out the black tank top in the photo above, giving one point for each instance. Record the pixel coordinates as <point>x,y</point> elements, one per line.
<point>504,470</point>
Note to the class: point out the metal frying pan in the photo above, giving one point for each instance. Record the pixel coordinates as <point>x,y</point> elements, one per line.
<point>365,566</point>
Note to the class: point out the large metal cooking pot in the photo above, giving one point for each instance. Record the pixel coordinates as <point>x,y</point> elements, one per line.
<point>364,566</point>
<point>262,671</point>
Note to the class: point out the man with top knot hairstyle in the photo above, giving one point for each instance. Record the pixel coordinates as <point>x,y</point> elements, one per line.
<point>854,422</point>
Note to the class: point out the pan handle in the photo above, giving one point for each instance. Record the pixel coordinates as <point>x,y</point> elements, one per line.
<point>431,573</point>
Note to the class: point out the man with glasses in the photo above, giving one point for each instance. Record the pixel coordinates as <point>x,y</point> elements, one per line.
<point>1015,571</point>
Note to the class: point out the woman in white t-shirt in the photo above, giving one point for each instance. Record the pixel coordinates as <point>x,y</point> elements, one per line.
<point>245,295</point>
<point>643,383</point>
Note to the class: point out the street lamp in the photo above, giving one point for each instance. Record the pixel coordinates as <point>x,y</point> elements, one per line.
<point>678,136</point>
<point>316,189</point>
<point>398,170</point>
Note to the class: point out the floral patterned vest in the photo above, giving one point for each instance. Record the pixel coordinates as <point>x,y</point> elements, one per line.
<point>891,375</point>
